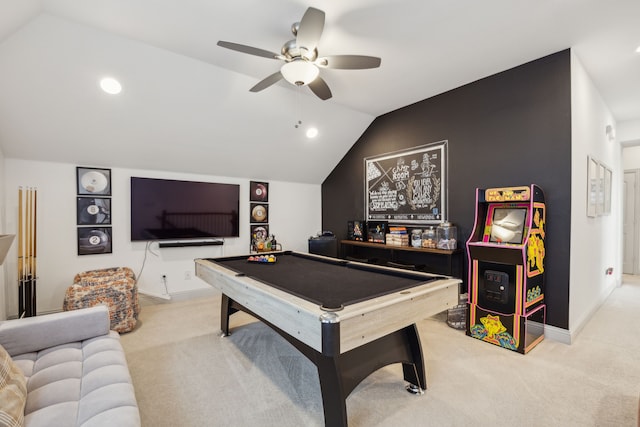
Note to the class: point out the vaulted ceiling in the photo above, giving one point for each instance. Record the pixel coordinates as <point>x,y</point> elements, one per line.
<point>186,105</point>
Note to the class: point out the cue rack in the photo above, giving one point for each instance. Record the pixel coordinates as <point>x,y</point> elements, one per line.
<point>27,207</point>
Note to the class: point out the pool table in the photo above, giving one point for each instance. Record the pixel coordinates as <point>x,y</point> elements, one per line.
<point>348,318</point>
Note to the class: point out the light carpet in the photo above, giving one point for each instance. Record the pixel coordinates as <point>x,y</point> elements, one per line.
<point>186,374</point>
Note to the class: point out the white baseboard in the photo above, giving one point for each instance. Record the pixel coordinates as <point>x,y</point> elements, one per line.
<point>567,336</point>
<point>554,333</point>
<point>145,293</point>
<point>179,296</point>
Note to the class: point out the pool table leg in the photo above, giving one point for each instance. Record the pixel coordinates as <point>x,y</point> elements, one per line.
<point>226,310</point>
<point>339,374</point>
<point>333,393</point>
<point>414,373</point>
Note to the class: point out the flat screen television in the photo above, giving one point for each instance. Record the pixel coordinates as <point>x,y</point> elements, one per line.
<point>507,225</point>
<point>163,209</point>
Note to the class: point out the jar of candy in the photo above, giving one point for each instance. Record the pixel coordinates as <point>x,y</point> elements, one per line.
<point>447,235</point>
<point>416,238</point>
<point>429,238</point>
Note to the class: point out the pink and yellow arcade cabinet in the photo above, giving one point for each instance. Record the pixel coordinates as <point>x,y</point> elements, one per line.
<point>506,268</point>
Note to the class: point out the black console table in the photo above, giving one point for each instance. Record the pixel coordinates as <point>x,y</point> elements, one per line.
<point>438,261</point>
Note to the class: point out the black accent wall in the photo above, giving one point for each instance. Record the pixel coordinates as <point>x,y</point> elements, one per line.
<point>509,129</point>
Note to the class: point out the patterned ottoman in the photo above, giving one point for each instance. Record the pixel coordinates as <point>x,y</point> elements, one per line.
<point>114,287</point>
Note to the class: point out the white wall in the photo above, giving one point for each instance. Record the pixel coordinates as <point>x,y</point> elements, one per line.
<point>294,215</point>
<point>631,157</point>
<point>628,132</point>
<point>596,243</point>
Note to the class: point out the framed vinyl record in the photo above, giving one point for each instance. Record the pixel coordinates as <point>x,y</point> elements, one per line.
<point>260,232</point>
<point>92,240</point>
<point>93,181</point>
<point>94,210</point>
<point>259,191</point>
<point>259,212</point>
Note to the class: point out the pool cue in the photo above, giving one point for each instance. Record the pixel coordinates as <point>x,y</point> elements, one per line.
<point>33,269</point>
<point>27,252</point>
<point>27,276</point>
<point>20,257</point>
<point>31,274</point>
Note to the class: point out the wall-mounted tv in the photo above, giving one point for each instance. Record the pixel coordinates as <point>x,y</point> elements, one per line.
<point>163,209</point>
<point>507,225</point>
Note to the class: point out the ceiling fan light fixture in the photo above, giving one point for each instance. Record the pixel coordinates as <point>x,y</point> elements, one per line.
<point>299,72</point>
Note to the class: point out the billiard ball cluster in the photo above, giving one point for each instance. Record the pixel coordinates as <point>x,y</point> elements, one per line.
<point>262,258</point>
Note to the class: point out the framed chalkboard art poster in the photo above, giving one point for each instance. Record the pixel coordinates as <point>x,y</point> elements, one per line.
<point>407,186</point>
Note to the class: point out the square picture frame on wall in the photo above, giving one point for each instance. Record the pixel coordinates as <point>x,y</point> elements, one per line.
<point>94,240</point>
<point>93,181</point>
<point>259,213</point>
<point>258,191</point>
<point>93,210</point>
<point>593,187</point>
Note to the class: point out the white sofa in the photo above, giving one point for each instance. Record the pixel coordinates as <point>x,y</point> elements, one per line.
<point>74,370</point>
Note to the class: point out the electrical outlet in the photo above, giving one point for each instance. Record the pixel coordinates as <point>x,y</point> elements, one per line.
<point>187,275</point>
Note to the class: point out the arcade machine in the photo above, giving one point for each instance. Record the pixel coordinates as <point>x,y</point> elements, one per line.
<point>506,268</point>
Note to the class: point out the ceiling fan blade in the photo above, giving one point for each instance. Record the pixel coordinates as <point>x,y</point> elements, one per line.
<point>348,62</point>
<point>248,49</point>
<point>310,29</point>
<point>266,82</point>
<point>320,88</point>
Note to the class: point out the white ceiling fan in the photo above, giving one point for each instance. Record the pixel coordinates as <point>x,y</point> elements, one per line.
<point>302,63</point>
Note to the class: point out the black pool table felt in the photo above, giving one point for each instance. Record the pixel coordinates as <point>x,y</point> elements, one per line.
<point>326,282</point>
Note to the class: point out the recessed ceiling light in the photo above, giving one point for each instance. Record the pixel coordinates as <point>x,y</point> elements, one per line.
<point>110,85</point>
<point>638,49</point>
<point>312,132</point>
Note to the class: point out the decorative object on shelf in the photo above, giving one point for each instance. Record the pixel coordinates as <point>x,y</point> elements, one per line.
<point>27,220</point>
<point>408,186</point>
<point>356,230</point>
<point>397,236</point>
<point>93,208</point>
<point>377,231</point>
<point>416,238</point>
<point>429,238</point>
<point>93,181</point>
<point>447,235</point>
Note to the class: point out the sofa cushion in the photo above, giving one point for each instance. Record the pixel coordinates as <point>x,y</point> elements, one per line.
<point>13,392</point>
<point>84,383</point>
<point>32,334</point>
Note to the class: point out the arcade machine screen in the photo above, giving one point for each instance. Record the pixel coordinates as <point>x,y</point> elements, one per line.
<point>507,225</point>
